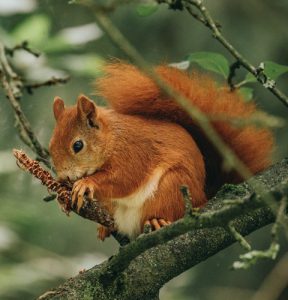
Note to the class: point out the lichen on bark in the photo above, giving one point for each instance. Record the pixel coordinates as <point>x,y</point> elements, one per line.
<point>149,271</point>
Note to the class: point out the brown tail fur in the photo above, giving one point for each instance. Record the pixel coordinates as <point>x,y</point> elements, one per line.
<point>129,91</point>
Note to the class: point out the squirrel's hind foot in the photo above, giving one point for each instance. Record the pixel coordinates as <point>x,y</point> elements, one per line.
<point>154,224</point>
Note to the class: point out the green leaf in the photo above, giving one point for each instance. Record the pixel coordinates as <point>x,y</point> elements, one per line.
<point>271,69</point>
<point>147,9</point>
<point>274,70</point>
<point>211,61</point>
<point>246,93</point>
<point>34,29</point>
<point>250,78</point>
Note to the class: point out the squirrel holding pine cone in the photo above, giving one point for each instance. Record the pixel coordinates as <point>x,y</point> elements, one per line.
<point>134,155</point>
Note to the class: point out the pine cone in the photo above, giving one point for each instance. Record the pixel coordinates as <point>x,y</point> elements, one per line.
<point>92,210</point>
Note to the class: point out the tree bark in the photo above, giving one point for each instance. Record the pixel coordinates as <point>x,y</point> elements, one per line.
<point>148,272</point>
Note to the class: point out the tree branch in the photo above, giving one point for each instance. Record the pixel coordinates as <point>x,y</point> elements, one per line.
<point>12,86</point>
<point>206,18</point>
<point>167,252</point>
<point>22,46</point>
<point>52,81</point>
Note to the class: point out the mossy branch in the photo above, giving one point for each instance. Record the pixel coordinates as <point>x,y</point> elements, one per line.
<point>164,254</point>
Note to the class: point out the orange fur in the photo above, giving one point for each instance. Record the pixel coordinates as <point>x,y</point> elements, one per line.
<point>125,151</point>
<point>134,93</point>
<point>136,155</point>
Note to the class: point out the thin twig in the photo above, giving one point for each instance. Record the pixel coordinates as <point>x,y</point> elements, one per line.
<point>52,81</point>
<point>22,46</point>
<point>258,119</point>
<point>280,219</point>
<point>9,81</point>
<point>11,77</point>
<point>187,200</point>
<point>199,18</point>
<point>238,237</point>
<point>250,258</point>
<point>13,85</point>
<point>232,72</point>
<point>240,84</point>
<point>207,19</point>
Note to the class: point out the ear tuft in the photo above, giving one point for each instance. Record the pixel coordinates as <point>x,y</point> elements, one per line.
<point>58,107</point>
<point>85,107</point>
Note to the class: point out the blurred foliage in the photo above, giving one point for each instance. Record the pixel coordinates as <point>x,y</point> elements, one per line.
<point>39,245</point>
<point>147,9</point>
<point>211,61</point>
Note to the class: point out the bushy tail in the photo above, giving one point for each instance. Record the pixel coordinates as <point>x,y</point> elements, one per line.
<point>129,91</point>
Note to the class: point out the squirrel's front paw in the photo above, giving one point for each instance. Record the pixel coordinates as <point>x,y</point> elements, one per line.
<point>82,187</point>
<point>103,232</point>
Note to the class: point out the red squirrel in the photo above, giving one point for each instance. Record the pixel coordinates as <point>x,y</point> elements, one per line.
<point>134,156</point>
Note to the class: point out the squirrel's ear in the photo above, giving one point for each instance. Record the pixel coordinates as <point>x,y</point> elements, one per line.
<point>58,107</point>
<point>87,110</point>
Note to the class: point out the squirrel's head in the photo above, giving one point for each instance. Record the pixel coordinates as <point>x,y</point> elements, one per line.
<point>78,146</point>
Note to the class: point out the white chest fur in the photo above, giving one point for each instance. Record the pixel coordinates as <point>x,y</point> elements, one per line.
<point>128,209</point>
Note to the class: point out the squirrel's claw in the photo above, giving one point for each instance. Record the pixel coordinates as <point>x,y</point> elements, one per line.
<point>103,232</point>
<point>81,188</point>
<point>155,224</point>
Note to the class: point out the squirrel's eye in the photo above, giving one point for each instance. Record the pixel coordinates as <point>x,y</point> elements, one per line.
<point>77,146</point>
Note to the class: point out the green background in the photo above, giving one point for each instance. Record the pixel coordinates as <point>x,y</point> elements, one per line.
<point>39,245</point>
